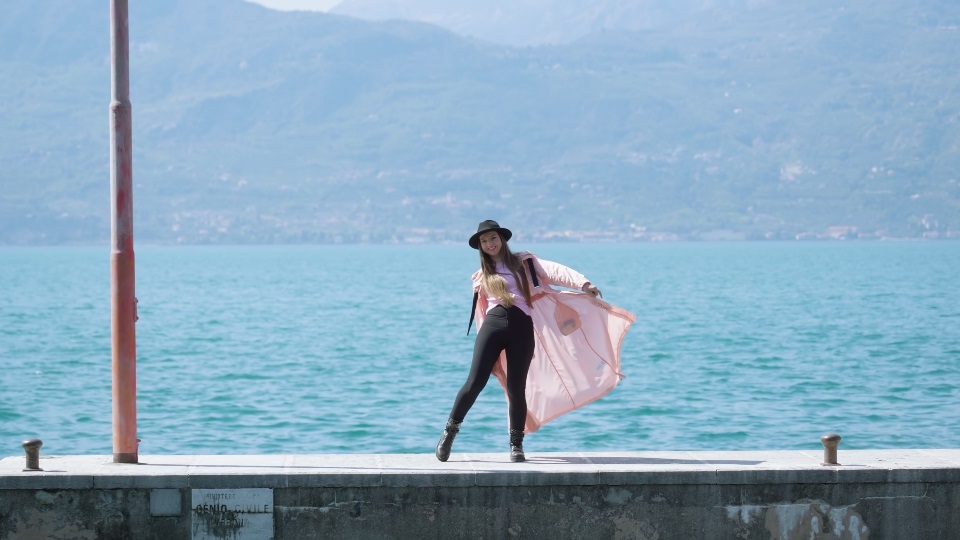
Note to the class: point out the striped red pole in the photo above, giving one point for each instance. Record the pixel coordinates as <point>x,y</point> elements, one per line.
<point>122,290</point>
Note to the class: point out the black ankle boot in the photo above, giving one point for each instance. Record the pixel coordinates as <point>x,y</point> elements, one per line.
<point>446,439</point>
<point>516,445</point>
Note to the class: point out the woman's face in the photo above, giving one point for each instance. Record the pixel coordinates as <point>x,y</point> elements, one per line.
<point>490,244</point>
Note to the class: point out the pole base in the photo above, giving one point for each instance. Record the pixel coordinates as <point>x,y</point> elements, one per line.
<point>125,457</point>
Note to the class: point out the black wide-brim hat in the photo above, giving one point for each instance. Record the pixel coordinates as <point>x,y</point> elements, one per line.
<point>485,227</point>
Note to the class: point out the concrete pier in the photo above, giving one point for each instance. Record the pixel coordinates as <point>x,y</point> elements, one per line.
<point>889,494</point>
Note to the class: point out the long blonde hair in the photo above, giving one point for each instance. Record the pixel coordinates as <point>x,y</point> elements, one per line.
<point>494,284</point>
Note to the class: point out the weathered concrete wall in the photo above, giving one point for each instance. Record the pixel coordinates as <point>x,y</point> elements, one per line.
<point>682,512</point>
<point>679,512</point>
<point>630,497</point>
<point>84,514</point>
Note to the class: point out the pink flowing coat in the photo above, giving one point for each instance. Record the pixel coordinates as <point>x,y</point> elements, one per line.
<point>578,338</point>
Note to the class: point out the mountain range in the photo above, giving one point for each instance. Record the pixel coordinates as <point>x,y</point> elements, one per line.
<point>539,22</point>
<point>697,120</point>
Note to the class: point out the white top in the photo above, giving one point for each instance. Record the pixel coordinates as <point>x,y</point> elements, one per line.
<point>512,288</point>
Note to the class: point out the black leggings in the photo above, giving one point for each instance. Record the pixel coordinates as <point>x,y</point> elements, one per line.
<point>503,329</point>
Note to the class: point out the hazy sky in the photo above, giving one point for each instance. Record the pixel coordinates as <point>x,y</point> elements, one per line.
<point>287,5</point>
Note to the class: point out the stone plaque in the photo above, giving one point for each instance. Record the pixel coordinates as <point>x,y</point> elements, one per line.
<point>244,514</point>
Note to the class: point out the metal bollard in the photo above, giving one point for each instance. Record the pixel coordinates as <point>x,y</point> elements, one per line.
<point>32,448</point>
<point>830,443</point>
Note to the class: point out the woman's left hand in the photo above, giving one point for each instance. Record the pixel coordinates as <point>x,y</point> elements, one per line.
<point>590,288</point>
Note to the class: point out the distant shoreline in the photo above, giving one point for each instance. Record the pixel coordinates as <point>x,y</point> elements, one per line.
<point>518,240</point>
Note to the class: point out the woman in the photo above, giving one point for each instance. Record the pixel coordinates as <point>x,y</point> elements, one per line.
<point>572,340</point>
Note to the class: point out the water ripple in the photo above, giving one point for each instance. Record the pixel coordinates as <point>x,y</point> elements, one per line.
<point>293,350</point>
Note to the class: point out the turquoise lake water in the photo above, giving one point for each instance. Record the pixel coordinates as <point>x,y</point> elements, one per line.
<point>361,349</point>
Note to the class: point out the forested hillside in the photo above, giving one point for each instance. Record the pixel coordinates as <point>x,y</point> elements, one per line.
<point>781,120</point>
